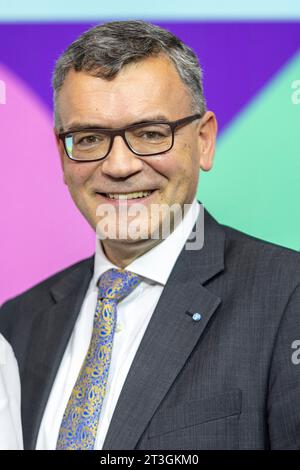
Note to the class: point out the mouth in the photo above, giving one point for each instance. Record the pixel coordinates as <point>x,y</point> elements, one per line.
<point>133,196</point>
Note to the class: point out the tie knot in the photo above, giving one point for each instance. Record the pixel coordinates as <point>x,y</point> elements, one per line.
<point>115,284</point>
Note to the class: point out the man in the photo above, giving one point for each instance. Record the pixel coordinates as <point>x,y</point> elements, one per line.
<point>10,410</point>
<point>148,344</point>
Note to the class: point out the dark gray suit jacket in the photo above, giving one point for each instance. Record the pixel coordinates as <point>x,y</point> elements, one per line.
<point>228,381</point>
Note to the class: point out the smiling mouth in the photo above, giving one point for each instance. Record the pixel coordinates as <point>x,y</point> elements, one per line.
<point>125,196</point>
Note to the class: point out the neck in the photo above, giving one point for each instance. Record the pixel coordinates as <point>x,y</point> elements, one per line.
<point>122,253</point>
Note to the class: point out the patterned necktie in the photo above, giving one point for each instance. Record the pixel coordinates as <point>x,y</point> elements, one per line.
<point>80,421</point>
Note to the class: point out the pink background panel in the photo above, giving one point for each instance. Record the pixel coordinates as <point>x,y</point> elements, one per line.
<point>38,216</point>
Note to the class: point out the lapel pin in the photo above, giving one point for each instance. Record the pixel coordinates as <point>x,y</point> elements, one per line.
<point>195,316</point>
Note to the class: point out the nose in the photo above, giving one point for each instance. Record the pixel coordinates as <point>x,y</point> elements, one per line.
<point>121,162</point>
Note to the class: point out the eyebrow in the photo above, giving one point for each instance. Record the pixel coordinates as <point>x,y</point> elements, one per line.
<point>79,125</point>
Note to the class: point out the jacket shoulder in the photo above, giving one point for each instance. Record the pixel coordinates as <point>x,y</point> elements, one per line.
<point>47,283</point>
<point>39,294</point>
<point>261,256</point>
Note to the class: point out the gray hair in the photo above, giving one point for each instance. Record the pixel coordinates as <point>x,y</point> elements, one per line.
<point>104,49</point>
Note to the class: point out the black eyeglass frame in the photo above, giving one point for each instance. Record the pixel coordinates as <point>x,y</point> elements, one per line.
<point>121,132</point>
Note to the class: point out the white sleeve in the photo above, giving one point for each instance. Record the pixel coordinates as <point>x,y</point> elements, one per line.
<point>10,399</point>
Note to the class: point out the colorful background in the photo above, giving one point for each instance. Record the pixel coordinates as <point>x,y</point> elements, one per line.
<point>251,60</point>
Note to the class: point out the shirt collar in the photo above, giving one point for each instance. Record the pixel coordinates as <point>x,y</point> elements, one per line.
<point>156,264</point>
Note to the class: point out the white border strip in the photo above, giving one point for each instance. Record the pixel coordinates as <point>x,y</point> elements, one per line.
<point>102,10</point>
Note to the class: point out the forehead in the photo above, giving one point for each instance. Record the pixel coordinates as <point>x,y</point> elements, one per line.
<point>146,88</point>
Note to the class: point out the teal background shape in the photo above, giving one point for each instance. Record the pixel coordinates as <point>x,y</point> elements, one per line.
<point>254,185</point>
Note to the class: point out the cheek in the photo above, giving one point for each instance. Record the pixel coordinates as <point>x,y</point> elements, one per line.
<point>180,166</point>
<point>190,162</point>
<point>76,174</point>
<point>170,164</point>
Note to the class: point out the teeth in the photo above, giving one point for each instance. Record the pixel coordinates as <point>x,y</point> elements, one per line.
<point>128,195</point>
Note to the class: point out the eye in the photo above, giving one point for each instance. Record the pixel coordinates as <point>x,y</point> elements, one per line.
<point>151,135</point>
<point>89,140</point>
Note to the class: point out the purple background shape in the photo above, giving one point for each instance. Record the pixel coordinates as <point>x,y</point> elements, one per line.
<point>238,60</point>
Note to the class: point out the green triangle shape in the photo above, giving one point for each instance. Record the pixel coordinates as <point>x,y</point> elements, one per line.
<point>254,185</point>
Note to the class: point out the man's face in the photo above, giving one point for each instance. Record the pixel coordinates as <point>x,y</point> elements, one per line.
<point>146,91</point>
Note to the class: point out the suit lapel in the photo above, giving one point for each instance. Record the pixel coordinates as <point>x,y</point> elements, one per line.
<point>169,339</point>
<point>167,343</point>
<point>51,330</point>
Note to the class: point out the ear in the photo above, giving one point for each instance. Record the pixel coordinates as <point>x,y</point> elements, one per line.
<point>207,140</point>
<point>61,151</point>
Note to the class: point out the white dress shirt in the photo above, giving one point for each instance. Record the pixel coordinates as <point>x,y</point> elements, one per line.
<point>10,404</point>
<point>134,314</point>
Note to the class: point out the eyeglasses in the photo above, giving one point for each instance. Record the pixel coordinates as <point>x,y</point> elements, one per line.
<point>143,139</point>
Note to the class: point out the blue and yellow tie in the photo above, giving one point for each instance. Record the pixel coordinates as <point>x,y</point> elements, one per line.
<point>80,421</point>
